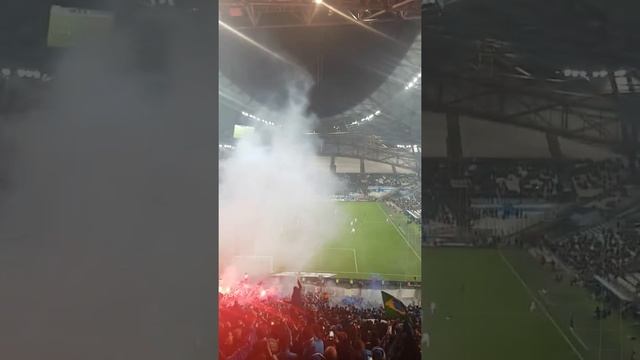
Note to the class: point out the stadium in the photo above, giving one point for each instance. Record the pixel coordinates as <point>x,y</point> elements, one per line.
<point>530,197</point>
<point>320,197</point>
<point>107,179</point>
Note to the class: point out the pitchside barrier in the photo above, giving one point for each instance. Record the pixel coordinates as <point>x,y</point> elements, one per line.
<point>321,279</point>
<point>340,288</point>
<point>370,296</point>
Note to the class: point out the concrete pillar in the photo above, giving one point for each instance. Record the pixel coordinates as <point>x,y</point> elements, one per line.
<point>554,146</point>
<point>459,201</point>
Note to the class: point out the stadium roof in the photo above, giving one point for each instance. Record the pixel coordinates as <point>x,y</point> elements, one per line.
<point>563,68</point>
<point>393,111</point>
<point>375,91</point>
<point>576,33</point>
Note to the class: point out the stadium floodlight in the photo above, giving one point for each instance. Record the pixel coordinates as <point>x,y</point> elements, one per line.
<point>567,72</point>
<point>377,112</point>
<point>6,72</point>
<point>36,74</point>
<point>317,1</point>
<point>22,73</point>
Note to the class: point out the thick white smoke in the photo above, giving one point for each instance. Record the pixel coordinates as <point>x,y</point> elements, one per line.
<point>108,222</point>
<point>275,201</point>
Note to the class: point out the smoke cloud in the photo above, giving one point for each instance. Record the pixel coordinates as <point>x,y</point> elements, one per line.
<point>275,202</point>
<point>107,227</point>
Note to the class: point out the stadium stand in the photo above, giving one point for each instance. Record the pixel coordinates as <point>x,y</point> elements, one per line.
<point>593,206</point>
<point>508,196</point>
<point>402,190</point>
<point>274,328</point>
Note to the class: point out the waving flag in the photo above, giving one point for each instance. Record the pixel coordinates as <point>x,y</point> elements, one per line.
<point>393,306</point>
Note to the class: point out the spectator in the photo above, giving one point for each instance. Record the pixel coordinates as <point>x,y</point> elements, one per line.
<point>275,329</point>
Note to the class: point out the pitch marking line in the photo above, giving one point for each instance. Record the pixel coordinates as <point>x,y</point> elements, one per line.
<point>355,258</point>
<point>399,232</point>
<point>600,342</point>
<point>540,305</point>
<point>575,335</point>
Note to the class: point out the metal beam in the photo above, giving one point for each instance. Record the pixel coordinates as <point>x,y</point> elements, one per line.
<point>368,148</point>
<point>524,108</point>
<point>242,14</point>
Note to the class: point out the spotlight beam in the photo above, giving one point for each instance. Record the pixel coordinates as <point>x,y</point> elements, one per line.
<point>253,42</point>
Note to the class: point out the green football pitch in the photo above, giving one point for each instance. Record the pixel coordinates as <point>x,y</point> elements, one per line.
<point>482,312</point>
<point>383,246</point>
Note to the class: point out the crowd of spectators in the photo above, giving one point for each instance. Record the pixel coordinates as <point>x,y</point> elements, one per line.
<point>506,179</point>
<point>403,190</point>
<point>599,176</point>
<point>442,214</point>
<point>278,329</point>
<point>392,180</point>
<point>530,179</point>
<point>517,181</point>
<point>355,181</point>
<point>411,202</point>
<point>606,250</point>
